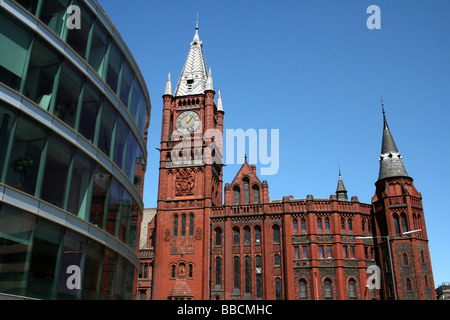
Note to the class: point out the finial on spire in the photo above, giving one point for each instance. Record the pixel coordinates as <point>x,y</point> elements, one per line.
<point>339,167</point>
<point>382,106</point>
<point>196,23</point>
<point>168,89</point>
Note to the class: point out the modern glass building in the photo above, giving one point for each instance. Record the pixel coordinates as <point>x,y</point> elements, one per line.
<point>74,111</point>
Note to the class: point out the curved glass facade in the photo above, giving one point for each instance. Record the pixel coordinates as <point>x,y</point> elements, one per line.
<point>74,110</point>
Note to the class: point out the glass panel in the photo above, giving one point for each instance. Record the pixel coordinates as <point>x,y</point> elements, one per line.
<point>73,255</point>
<point>44,63</point>
<point>59,157</point>
<point>120,141</point>
<point>276,234</point>
<point>255,194</point>
<point>78,38</point>
<point>218,271</point>
<point>16,231</point>
<point>125,86</point>
<point>142,115</point>
<point>237,272</point>
<point>99,45</point>
<point>125,215</point>
<point>139,169</point>
<point>108,121</point>
<point>236,196</point>
<point>115,196</point>
<point>29,140</point>
<point>191,225</point>
<point>53,14</point>
<point>68,94</point>
<point>108,274</point>
<point>135,100</point>
<point>132,235</point>
<point>90,108</point>
<point>114,66</point>
<point>102,180</point>
<point>8,117</point>
<point>45,258</point>
<point>236,236</point>
<point>218,237</point>
<point>92,269</point>
<point>14,44</point>
<point>183,225</point>
<point>131,155</point>
<point>120,277</point>
<point>83,169</point>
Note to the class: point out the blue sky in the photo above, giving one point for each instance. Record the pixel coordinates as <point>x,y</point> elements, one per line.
<point>313,70</point>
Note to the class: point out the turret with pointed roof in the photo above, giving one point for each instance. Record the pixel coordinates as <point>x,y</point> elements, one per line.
<point>341,192</point>
<point>391,164</point>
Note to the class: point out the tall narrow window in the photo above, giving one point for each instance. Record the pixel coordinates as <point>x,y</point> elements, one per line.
<point>237,272</point>
<point>342,225</point>
<point>218,233</point>
<point>305,252</point>
<point>302,289</point>
<point>296,252</point>
<point>352,289</point>
<point>255,194</point>
<point>218,271</point>
<point>246,191</point>
<point>257,235</point>
<point>248,276</point>
<point>350,225</point>
<point>397,224</point>
<point>278,289</point>
<point>328,290</point>
<point>303,223</point>
<point>175,226</point>
<point>276,234</point>
<point>327,224</point>
<point>258,270</point>
<point>408,284</point>
<point>183,225</point>
<point>404,223</point>
<point>320,252</point>
<point>329,254</point>
<point>236,238</point>
<point>191,269</point>
<point>191,225</point>
<point>319,224</point>
<point>405,260</point>
<point>247,235</point>
<point>295,225</point>
<point>237,192</point>
<point>276,260</point>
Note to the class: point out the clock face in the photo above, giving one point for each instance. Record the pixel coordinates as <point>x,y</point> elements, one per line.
<point>188,121</point>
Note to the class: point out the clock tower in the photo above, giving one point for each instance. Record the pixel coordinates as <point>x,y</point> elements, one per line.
<point>190,181</point>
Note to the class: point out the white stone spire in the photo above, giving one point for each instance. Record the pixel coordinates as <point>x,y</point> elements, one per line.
<point>168,89</point>
<point>219,102</point>
<point>209,81</point>
<point>194,75</point>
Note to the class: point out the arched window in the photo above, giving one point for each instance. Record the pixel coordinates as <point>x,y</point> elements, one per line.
<point>328,290</point>
<point>218,271</point>
<point>276,233</point>
<point>352,289</point>
<point>302,289</point>
<point>175,226</point>
<point>218,235</point>
<point>350,225</point>
<point>303,223</point>
<point>319,224</point>
<point>237,192</point>
<point>257,235</point>
<point>191,225</point>
<point>404,223</point>
<point>247,235</point>
<point>183,225</point>
<point>397,224</point>
<point>327,224</point>
<point>236,238</point>
<point>173,271</point>
<point>255,194</point>
<point>295,225</point>
<point>237,272</point>
<point>408,284</point>
<point>246,191</point>
<point>342,225</point>
<point>276,260</point>
<point>278,289</point>
<point>405,260</point>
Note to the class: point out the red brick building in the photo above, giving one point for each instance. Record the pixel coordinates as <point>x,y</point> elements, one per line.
<point>247,246</point>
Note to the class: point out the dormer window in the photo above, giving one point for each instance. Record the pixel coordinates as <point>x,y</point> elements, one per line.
<point>189,83</point>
